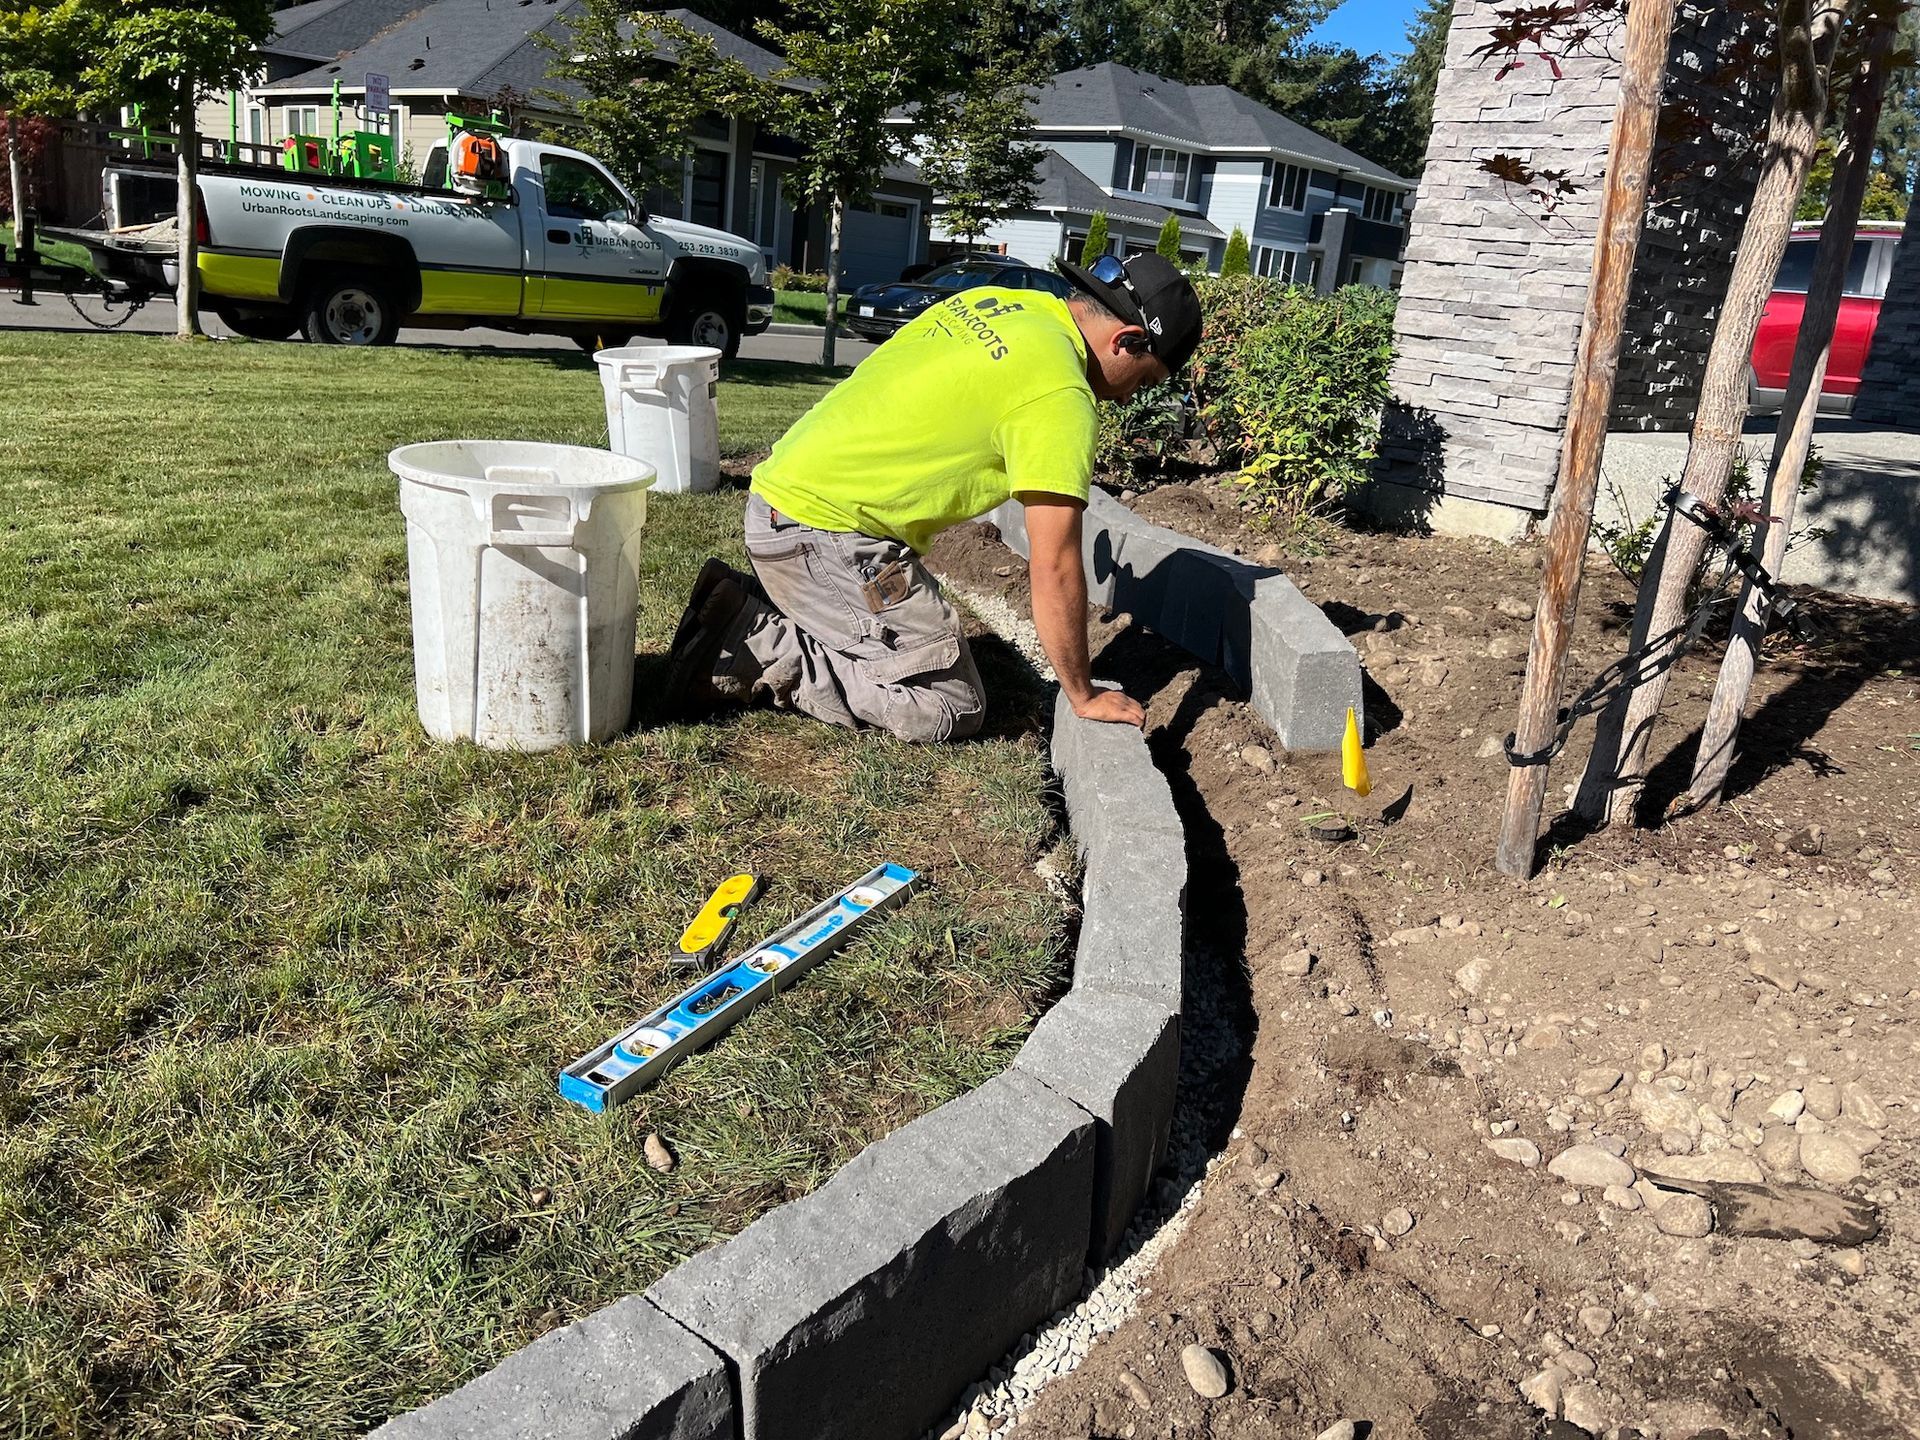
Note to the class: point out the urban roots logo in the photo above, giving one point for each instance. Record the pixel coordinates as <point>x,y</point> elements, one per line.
<point>977,319</point>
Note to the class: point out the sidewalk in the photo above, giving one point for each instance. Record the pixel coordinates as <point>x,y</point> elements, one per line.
<point>1868,501</point>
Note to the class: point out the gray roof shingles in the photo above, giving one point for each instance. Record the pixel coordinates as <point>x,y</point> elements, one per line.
<point>1211,118</point>
<point>1065,188</point>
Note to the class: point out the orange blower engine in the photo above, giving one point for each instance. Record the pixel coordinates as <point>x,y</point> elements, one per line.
<point>476,164</point>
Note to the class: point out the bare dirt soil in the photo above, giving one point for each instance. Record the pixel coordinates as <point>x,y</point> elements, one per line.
<point>1410,1229</point>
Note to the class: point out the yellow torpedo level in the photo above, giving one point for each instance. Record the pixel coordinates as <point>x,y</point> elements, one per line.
<point>709,928</point>
<point>1353,760</point>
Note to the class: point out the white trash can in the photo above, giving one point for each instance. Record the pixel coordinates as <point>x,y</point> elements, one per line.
<point>524,561</point>
<point>661,409</point>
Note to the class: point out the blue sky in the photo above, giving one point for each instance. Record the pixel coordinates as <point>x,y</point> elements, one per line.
<point>1369,26</point>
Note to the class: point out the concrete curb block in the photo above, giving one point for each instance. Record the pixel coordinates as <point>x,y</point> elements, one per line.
<point>624,1373</point>
<point>1249,620</point>
<point>865,1308</point>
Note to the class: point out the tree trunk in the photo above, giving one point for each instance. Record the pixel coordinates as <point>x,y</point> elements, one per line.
<point>1622,211</point>
<point>186,293</point>
<point>1851,168</point>
<point>835,214</point>
<point>1616,769</point>
<point>16,179</point>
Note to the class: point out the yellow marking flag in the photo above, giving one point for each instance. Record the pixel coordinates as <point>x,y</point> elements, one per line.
<point>1353,760</point>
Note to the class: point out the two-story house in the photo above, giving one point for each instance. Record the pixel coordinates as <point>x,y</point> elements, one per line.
<point>1139,147</point>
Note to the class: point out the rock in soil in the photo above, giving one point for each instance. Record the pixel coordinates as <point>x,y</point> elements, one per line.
<point>1687,1216</point>
<point>657,1153</point>
<point>1827,1157</point>
<point>1205,1371</point>
<point>1590,1165</point>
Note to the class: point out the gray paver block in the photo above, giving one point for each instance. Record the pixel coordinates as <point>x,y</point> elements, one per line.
<point>1111,784</point>
<point>1117,1056</point>
<point>1252,622</point>
<point>864,1309</point>
<point>627,1372</point>
<point>1133,936</point>
<point>1305,672</point>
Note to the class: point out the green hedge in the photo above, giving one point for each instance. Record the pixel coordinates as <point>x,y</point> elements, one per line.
<point>1288,385</point>
<point>804,282</point>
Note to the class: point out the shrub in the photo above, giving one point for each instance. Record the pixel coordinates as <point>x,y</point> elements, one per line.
<point>1096,242</point>
<point>1287,387</point>
<point>1237,261</point>
<point>1168,245</point>
<point>804,282</point>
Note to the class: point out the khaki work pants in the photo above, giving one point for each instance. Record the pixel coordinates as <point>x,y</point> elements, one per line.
<point>861,634</point>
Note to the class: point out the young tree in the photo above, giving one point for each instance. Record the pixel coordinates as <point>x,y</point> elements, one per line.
<point>1794,440</point>
<point>1168,245</point>
<point>161,57</point>
<point>637,84</point>
<point>1097,241</point>
<point>860,62</point>
<point>973,144</point>
<point>1808,32</point>
<point>43,51</point>
<point>1236,261</point>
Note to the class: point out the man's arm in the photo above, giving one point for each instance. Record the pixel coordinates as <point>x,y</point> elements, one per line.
<point>1059,581</point>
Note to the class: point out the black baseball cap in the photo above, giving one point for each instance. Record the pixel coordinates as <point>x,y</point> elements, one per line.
<point>1148,291</point>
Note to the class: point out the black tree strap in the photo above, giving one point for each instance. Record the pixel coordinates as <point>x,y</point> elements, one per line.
<point>1619,676</point>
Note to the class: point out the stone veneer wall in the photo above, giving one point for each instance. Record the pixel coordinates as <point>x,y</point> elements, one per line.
<point>1890,383</point>
<point>1494,292</point>
<point>1705,164</point>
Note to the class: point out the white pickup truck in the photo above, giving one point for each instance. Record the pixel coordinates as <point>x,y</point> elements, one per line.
<point>346,262</point>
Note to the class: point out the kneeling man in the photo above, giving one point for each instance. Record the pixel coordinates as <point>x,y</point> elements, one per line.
<point>988,396</point>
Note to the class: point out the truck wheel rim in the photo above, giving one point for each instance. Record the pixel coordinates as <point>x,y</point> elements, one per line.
<point>710,328</point>
<point>353,317</point>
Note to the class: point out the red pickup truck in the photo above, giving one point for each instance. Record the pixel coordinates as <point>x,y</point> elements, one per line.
<point>1871,264</point>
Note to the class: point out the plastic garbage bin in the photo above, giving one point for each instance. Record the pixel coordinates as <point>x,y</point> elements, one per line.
<point>524,561</point>
<point>661,409</point>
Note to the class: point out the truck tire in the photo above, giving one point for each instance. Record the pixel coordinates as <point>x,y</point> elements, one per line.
<point>350,307</point>
<point>718,322</point>
<point>267,322</point>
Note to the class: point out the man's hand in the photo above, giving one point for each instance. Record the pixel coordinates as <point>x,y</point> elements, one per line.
<point>1114,707</point>
<point>1059,583</point>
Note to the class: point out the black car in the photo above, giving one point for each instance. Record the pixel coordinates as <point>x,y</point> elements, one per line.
<point>873,312</point>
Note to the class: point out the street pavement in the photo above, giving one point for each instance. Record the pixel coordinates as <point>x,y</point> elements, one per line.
<point>792,343</point>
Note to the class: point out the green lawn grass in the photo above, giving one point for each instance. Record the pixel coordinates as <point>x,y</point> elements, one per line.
<point>65,252</point>
<point>799,307</point>
<point>286,985</point>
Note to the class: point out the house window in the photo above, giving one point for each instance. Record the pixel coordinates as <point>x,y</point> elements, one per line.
<point>1289,188</point>
<point>1378,205</point>
<point>256,125</point>
<point>1169,173</point>
<point>1280,265</point>
<point>1354,272</point>
<point>303,119</point>
<point>707,188</point>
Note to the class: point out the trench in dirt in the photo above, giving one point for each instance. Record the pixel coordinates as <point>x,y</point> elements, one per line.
<point>1356,1251</point>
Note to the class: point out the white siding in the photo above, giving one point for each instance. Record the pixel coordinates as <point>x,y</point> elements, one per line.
<point>1233,196</point>
<point>1034,241</point>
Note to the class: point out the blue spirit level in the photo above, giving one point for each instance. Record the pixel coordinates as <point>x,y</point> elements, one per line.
<point>642,1055</point>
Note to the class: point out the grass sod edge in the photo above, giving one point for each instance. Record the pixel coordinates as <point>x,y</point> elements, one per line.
<point>933,1251</point>
<point>288,986</point>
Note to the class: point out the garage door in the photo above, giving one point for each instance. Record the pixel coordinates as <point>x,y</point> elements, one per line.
<point>877,241</point>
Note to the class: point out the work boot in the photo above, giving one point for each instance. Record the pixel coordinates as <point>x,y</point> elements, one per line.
<point>691,687</point>
<point>712,573</point>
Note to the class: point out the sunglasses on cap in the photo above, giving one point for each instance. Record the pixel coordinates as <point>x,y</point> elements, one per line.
<point>1109,271</point>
